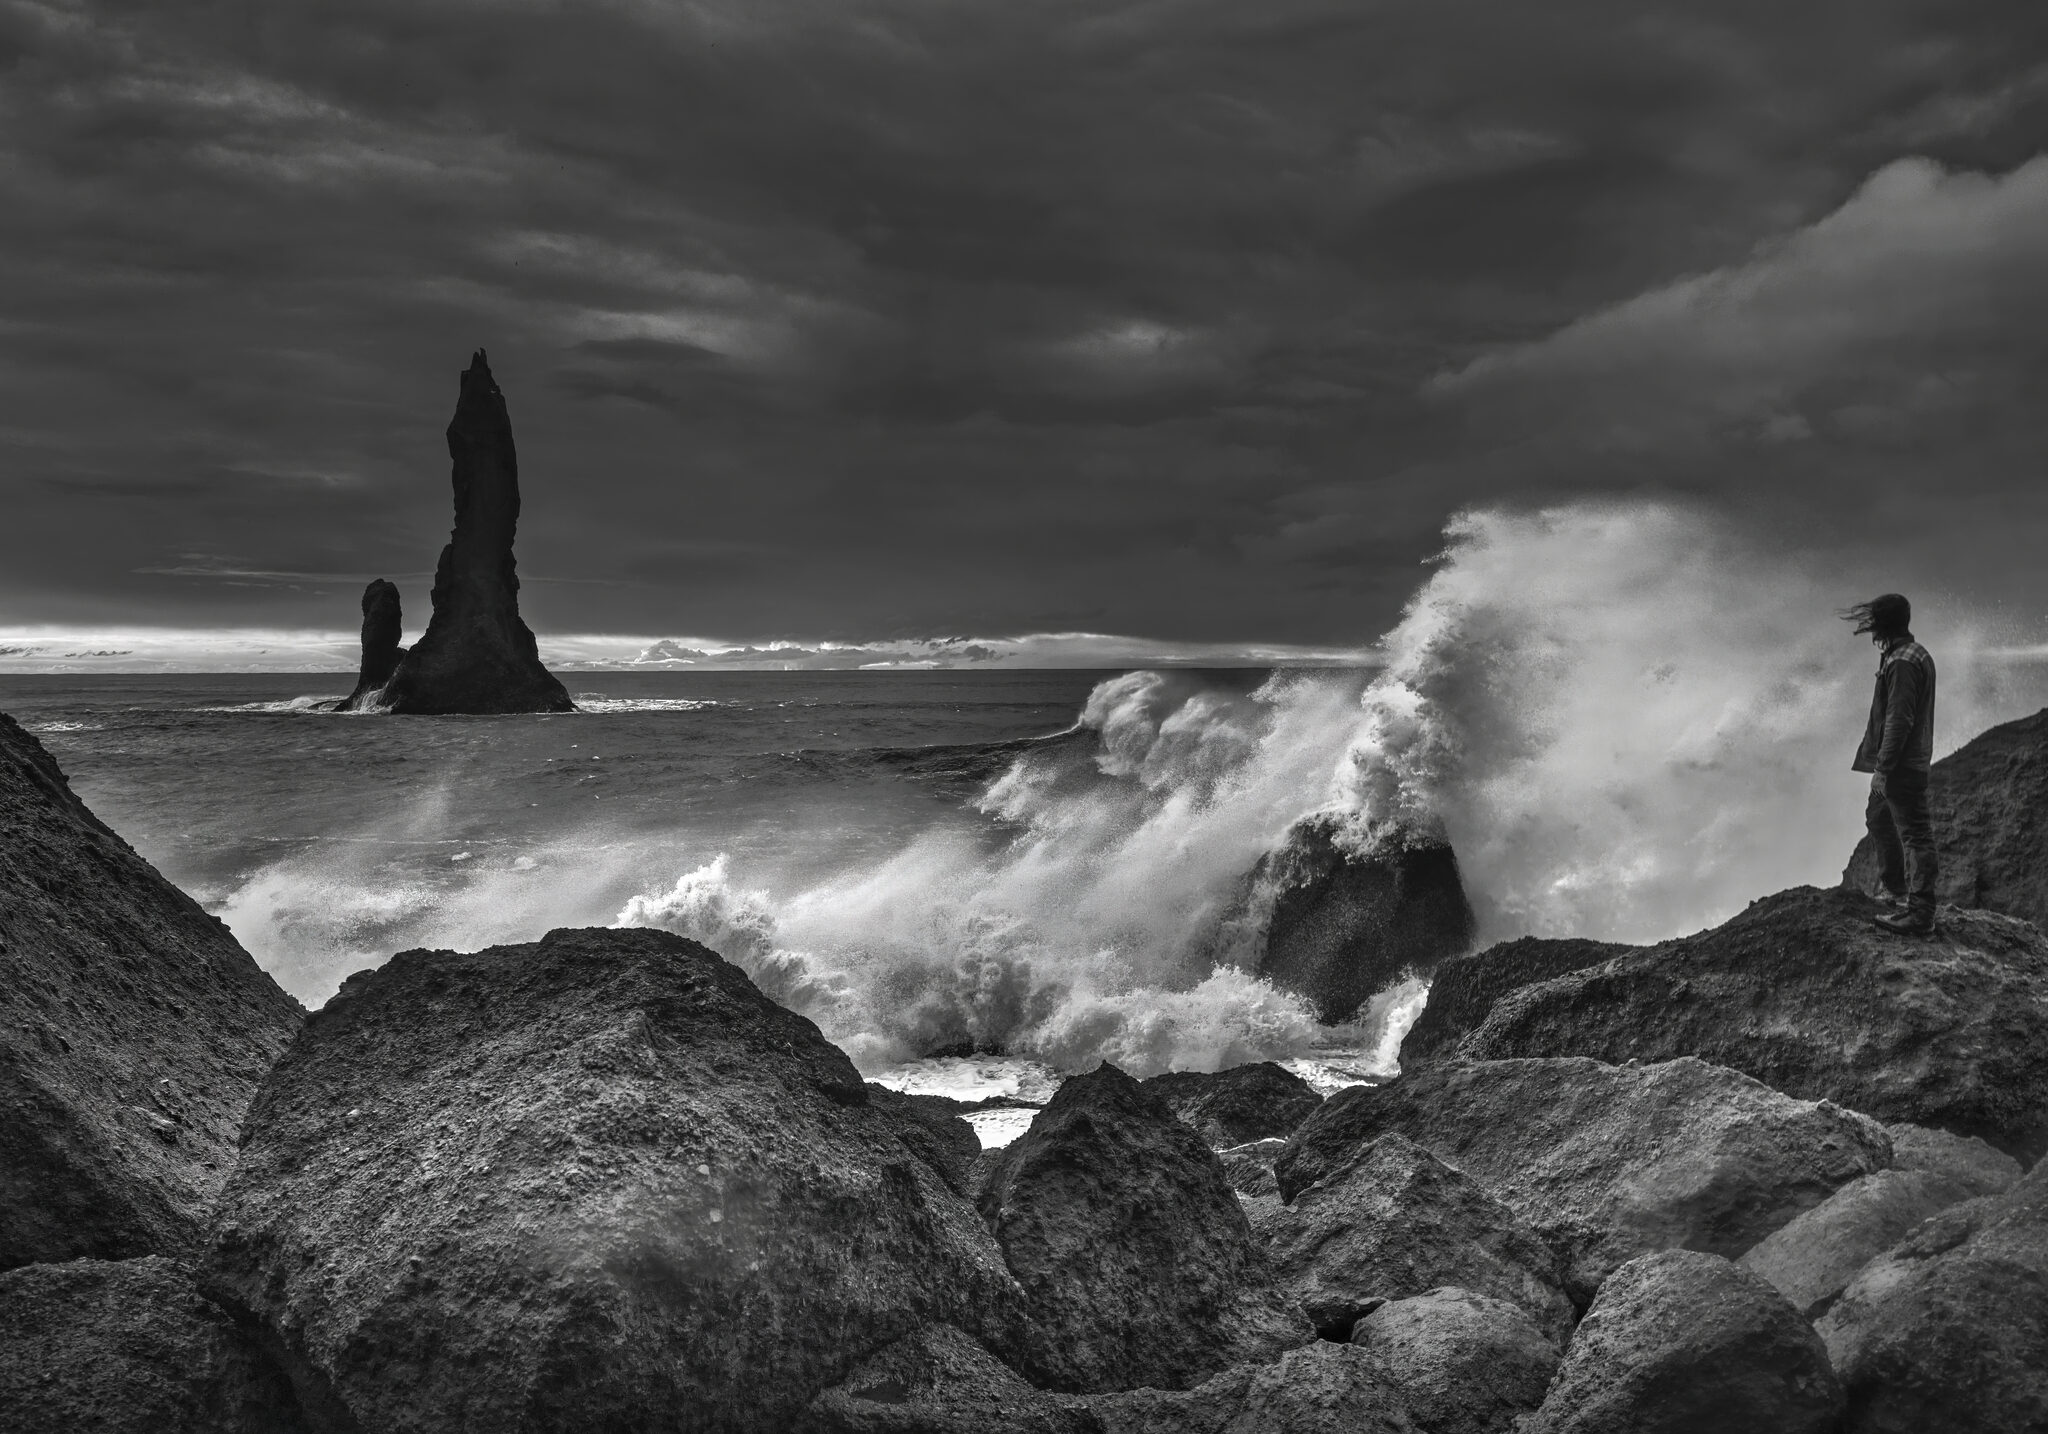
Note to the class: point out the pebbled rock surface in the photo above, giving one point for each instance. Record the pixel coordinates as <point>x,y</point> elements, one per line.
<point>1464,988</point>
<point>598,1181</point>
<point>1393,1222</point>
<point>1607,1162</point>
<point>1989,801</point>
<point>1978,1167</point>
<point>1137,1261</point>
<point>130,1347</point>
<point>1948,1330</point>
<point>477,654</point>
<point>1321,918</point>
<point>133,1032</point>
<point>383,623</point>
<point>1812,1259</point>
<point>940,1381</point>
<point>1236,1106</point>
<point>1803,993</point>
<point>1321,1388</point>
<point>1464,1363</point>
<point>1685,1343</point>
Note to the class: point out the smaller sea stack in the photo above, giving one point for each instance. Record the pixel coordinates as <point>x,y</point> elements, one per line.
<point>477,656</point>
<point>383,621</point>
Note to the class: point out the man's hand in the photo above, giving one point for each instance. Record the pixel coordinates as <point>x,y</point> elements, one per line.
<point>1877,784</point>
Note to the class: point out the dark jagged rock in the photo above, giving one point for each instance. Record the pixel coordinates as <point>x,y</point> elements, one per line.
<point>1464,1363</point>
<point>477,655</point>
<point>131,1347</point>
<point>1947,1330</point>
<point>1811,1260</point>
<point>1236,1106</point>
<point>1979,1168</point>
<point>1138,1263</point>
<point>1802,992</point>
<point>927,1125</point>
<point>1321,1388</point>
<point>1464,988</point>
<point>939,1381</point>
<point>133,1032</point>
<point>1684,1343</point>
<point>599,1181</point>
<point>1338,918</point>
<point>1607,1162</point>
<point>1249,1167</point>
<point>1989,801</point>
<point>1394,1222</point>
<point>382,627</point>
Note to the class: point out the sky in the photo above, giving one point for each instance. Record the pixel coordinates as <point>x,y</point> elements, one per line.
<point>878,321</point>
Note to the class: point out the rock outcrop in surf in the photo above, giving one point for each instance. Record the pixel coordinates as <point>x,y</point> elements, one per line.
<point>382,626</point>
<point>133,1033</point>
<point>477,655</point>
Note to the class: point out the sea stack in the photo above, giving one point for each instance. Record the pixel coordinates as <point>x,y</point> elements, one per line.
<point>477,656</point>
<point>382,624</point>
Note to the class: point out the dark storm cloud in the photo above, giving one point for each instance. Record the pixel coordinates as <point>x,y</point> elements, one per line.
<point>865,319</point>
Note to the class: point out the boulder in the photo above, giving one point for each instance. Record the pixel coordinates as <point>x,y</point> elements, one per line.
<point>1948,1329</point>
<point>940,1381</point>
<point>928,1125</point>
<point>1802,992</point>
<point>1242,1104</point>
<point>1812,1259</point>
<point>1968,1161</point>
<point>1249,1167</point>
<point>1989,801</point>
<point>1138,1264</point>
<point>382,625</point>
<point>1463,1363</point>
<point>1680,1342</point>
<point>1321,1388</point>
<point>597,1181</point>
<point>1394,1221</point>
<point>133,1032</point>
<point>477,654</point>
<point>1607,1162</point>
<point>1337,915</point>
<point>1464,988</point>
<point>131,1347</point>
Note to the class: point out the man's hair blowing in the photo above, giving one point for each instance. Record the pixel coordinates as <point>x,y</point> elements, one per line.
<point>1887,615</point>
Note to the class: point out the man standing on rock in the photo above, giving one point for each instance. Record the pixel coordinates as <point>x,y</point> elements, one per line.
<point>1898,748</point>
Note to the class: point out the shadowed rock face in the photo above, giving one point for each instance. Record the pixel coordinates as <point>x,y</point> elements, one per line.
<point>1462,993</point>
<point>477,655</point>
<point>382,624</point>
<point>1232,1107</point>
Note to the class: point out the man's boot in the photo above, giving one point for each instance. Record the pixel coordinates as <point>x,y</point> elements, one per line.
<point>1915,920</point>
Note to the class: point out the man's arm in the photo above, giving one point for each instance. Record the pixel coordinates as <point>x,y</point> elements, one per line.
<point>1904,686</point>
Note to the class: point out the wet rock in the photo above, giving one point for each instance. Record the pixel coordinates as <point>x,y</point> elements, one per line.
<point>1464,988</point>
<point>1249,1167</point>
<point>1812,1259</point>
<point>1976,1166</point>
<point>940,1381</point>
<point>1607,1162</point>
<point>1322,1388</point>
<point>1464,1363</point>
<point>1137,1262</point>
<point>1680,1342</point>
<point>1394,1221</point>
<point>1987,800</point>
<point>1338,918</point>
<point>1947,1329</point>
<point>596,1181</point>
<point>1802,992</point>
<point>133,1032</point>
<point>1245,1103</point>
<point>477,654</point>
<point>131,1347</point>
<point>382,626</point>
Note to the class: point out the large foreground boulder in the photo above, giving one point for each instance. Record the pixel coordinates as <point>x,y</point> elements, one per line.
<point>1948,1330</point>
<point>1607,1162</point>
<point>1684,1343</point>
<point>1989,801</point>
<point>133,1031</point>
<point>477,654</point>
<point>1464,1363</point>
<point>1138,1263</point>
<point>131,1347</point>
<point>1393,1222</point>
<point>1464,988</point>
<point>1802,992</point>
<point>383,623</point>
<point>1338,915</point>
<point>1236,1106</point>
<point>599,1181</point>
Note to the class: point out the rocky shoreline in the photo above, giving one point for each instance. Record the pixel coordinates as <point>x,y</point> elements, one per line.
<point>1783,1175</point>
